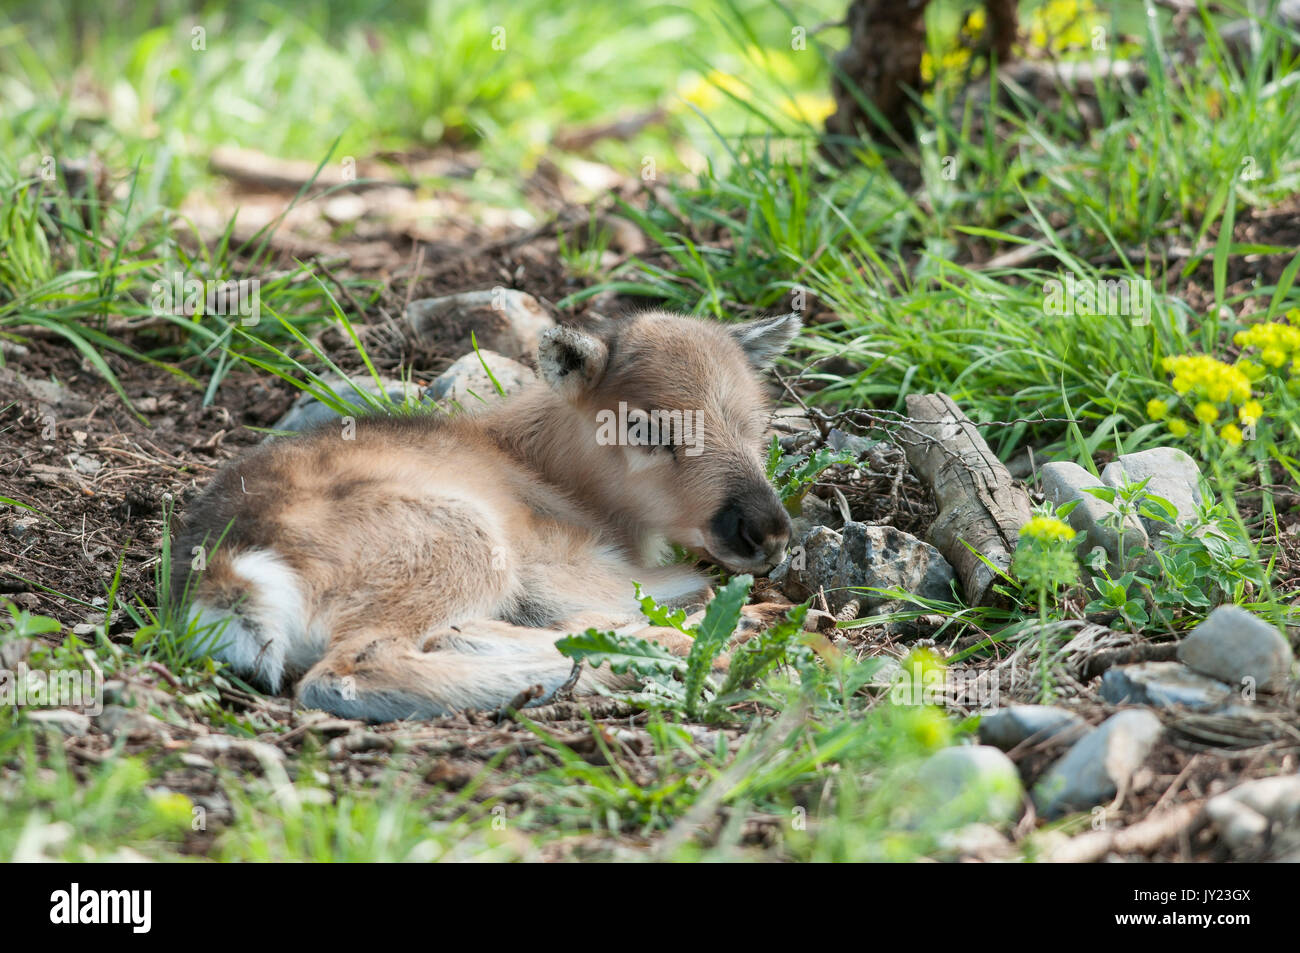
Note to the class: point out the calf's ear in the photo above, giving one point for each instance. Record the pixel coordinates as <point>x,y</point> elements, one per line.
<point>571,361</point>
<point>764,339</point>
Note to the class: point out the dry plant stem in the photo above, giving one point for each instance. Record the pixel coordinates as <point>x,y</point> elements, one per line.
<point>1143,837</point>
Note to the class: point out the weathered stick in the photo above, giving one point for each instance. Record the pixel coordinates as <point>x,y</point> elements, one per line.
<point>262,171</point>
<point>980,507</point>
<point>1144,837</point>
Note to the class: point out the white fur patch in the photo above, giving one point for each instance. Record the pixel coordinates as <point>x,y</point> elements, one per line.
<point>267,633</point>
<point>694,539</point>
<point>676,586</point>
<point>639,459</point>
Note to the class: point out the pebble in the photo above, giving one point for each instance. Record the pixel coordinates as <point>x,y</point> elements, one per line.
<point>1008,727</point>
<point>1063,482</point>
<point>1163,685</point>
<point>499,319</point>
<point>1098,764</point>
<point>1172,475</point>
<point>860,557</point>
<point>1234,645</point>
<point>966,784</point>
<point>465,381</point>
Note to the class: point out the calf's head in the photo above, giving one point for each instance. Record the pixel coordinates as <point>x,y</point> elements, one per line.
<point>677,411</point>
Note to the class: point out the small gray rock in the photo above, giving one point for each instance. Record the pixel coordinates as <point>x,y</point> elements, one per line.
<point>85,464</point>
<point>118,720</point>
<point>846,442</point>
<point>1173,475</point>
<point>789,420</point>
<point>861,556</point>
<point>1095,767</point>
<point>1233,644</point>
<point>500,319</point>
<point>1237,825</point>
<point>1063,482</point>
<point>13,651</point>
<point>978,842</point>
<point>1162,685</point>
<point>815,512</point>
<point>1015,724</point>
<point>47,394</point>
<point>966,784</point>
<point>1244,816</point>
<point>1022,465</point>
<point>67,721</point>
<point>44,391</point>
<point>466,381</point>
<point>886,671</point>
<point>307,411</point>
<point>1277,798</point>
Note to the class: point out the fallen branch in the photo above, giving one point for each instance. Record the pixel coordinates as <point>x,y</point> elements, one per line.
<point>262,171</point>
<point>271,173</point>
<point>1144,837</point>
<point>1143,652</point>
<point>981,509</point>
<point>583,137</point>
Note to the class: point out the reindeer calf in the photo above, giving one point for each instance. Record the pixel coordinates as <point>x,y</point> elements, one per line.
<point>430,564</point>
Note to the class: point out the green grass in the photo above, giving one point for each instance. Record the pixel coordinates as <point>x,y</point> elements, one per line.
<point>135,88</point>
<point>895,267</point>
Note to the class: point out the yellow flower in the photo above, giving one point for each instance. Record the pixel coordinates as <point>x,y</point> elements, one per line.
<point>1231,435</point>
<point>1208,377</point>
<point>1178,427</point>
<point>1061,24</point>
<point>809,107</point>
<point>1047,529</point>
<point>1252,370</point>
<point>706,92</point>
<point>1277,342</point>
<point>172,807</point>
<point>1250,412</point>
<point>1157,409</point>
<point>1206,412</point>
<point>956,58</point>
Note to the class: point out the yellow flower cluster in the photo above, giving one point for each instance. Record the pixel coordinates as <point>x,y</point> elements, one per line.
<point>1277,342</point>
<point>958,56</point>
<point>1058,25</point>
<point>1062,24</point>
<point>1047,529</point>
<point>1207,384</point>
<point>1206,377</point>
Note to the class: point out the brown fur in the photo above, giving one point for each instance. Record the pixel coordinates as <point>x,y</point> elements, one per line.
<point>431,563</point>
